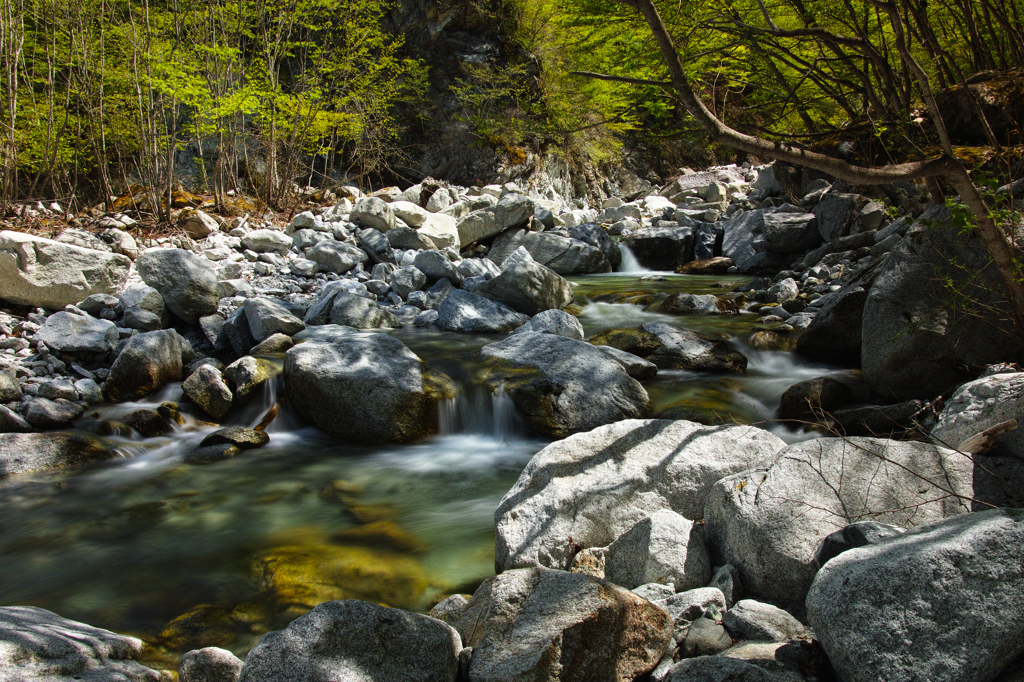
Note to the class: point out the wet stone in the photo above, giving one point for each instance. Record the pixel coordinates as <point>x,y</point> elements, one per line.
<point>149,423</point>
<point>243,438</point>
<point>212,453</point>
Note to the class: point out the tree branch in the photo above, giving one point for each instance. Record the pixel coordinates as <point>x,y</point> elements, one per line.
<point>619,79</point>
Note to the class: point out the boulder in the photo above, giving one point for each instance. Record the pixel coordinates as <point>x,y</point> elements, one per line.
<point>407,238</point>
<point>71,333</point>
<point>143,308</point>
<point>511,210</point>
<point>376,246</point>
<point>336,257</point>
<point>661,248</point>
<point>596,236</point>
<point>855,535</point>
<point>704,668</point>
<point>477,267</point>
<point>24,452</point>
<point>663,548</point>
<point>147,363</point>
<point>592,487</point>
<point>920,337</point>
<point>236,331</point>
<point>528,288</point>
<point>682,303</point>
<point>449,609</point>
<point>362,313</point>
<point>783,291</point>
<point>275,343</point>
<point>895,610</point>
<point>791,232</point>
<point>835,334</point>
<point>707,266</point>
<point>836,213</point>
<point>373,212</point>
<point>210,664</point>
<point>49,274</point>
<point>813,400</point>
<point>462,311</point>
<point>187,282</point>
<point>247,375</point>
<point>743,240</point>
<point>705,637</point>
<point>435,265</point>
<point>979,405</point>
<point>406,280</point>
<point>10,389</point>
<point>44,413</point>
<point>564,255</point>
<point>365,388</point>
<point>97,303</point>
<point>207,389</point>
<point>267,241</point>
<point>539,624</point>
<point>686,607</point>
<point>768,522</point>
<point>556,322</point>
<point>635,366</point>
<point>36,644</point>
<point>355,640</point>
<point>411,214</point>
<point>267,317</point>
<point>561,386</point>
<point>669,347</point>
<point>442,230</point>
<point>199,225</point>
<point>750,619</point>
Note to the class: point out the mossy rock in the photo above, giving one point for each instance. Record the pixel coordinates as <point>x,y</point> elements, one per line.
<point>696,410</point>
<point>300,577</point>
<point>383,535</point>
<point>149,423</point>
<point>629,297</point>
<point>771,340</point>
<point>200,627</point>
<point>630,339</point>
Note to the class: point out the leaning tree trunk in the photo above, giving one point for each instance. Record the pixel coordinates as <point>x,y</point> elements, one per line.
<point>947,167</point>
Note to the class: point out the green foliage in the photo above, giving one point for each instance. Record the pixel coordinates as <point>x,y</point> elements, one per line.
<point>271,85</point>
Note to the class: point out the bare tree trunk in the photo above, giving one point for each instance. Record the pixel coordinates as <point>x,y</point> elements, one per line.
<point>946,167</point>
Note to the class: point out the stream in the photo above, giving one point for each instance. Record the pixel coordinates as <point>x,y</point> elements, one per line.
<point>186,556</point>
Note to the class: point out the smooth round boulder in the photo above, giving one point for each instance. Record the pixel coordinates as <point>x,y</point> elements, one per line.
<point>187,282</point>
<point>148,362</point>
<point>365,388</point>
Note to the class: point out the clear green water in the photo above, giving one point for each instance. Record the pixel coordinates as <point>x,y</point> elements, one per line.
<point>136,543</point>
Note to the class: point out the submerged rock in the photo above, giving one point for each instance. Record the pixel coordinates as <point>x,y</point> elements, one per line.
<point>669,347</point>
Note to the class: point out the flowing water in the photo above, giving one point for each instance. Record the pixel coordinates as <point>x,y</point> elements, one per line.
<point>186,556</point>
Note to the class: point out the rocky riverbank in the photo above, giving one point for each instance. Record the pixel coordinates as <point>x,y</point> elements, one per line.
<point>629,547</point>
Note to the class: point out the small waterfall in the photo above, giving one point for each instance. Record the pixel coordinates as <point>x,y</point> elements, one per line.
<point>629,262</point>
<point>477,410</point>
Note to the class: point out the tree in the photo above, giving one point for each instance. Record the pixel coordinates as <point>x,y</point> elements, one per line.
<point>942,167</point>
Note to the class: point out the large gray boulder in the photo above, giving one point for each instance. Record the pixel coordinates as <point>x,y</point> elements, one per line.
<point>661,248</point>
<point>744,242</point>
<point>72,333</point>
<point>836,213</point>
<point>529,288</point>
<point>791,232</point>
<point>705,668</point>
<point>564,255</point>
<point>355,641</point>
<point>568,386</point>
<point>669,347</point>
<point>435,265</point>
<point>750,619</point>
<point>147,363</point>
<point>462,311</point>
<point>49,274</point>
<point>768,522</point>
<point>187,282</point>
<point>373,212</point>
<point>664,548</point>
<point>355,311</point>
<point>206,388</point>
<point>596,236</point>
<point>143,308</point>
<point>267,241</point>
<point>920,337</point>
<point>24,452</point>
<point>511,210</point>
<point>36,644</point>
<point>266,318</point>
<point>940,602</point>
<point>332,256</point>
<point>539,624</point>
<point>836,332</point>
<point>442,230</point>
<point>979,405</point>
<point>365,388</point>
<point>592,487</point>
<point>554,322</point>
